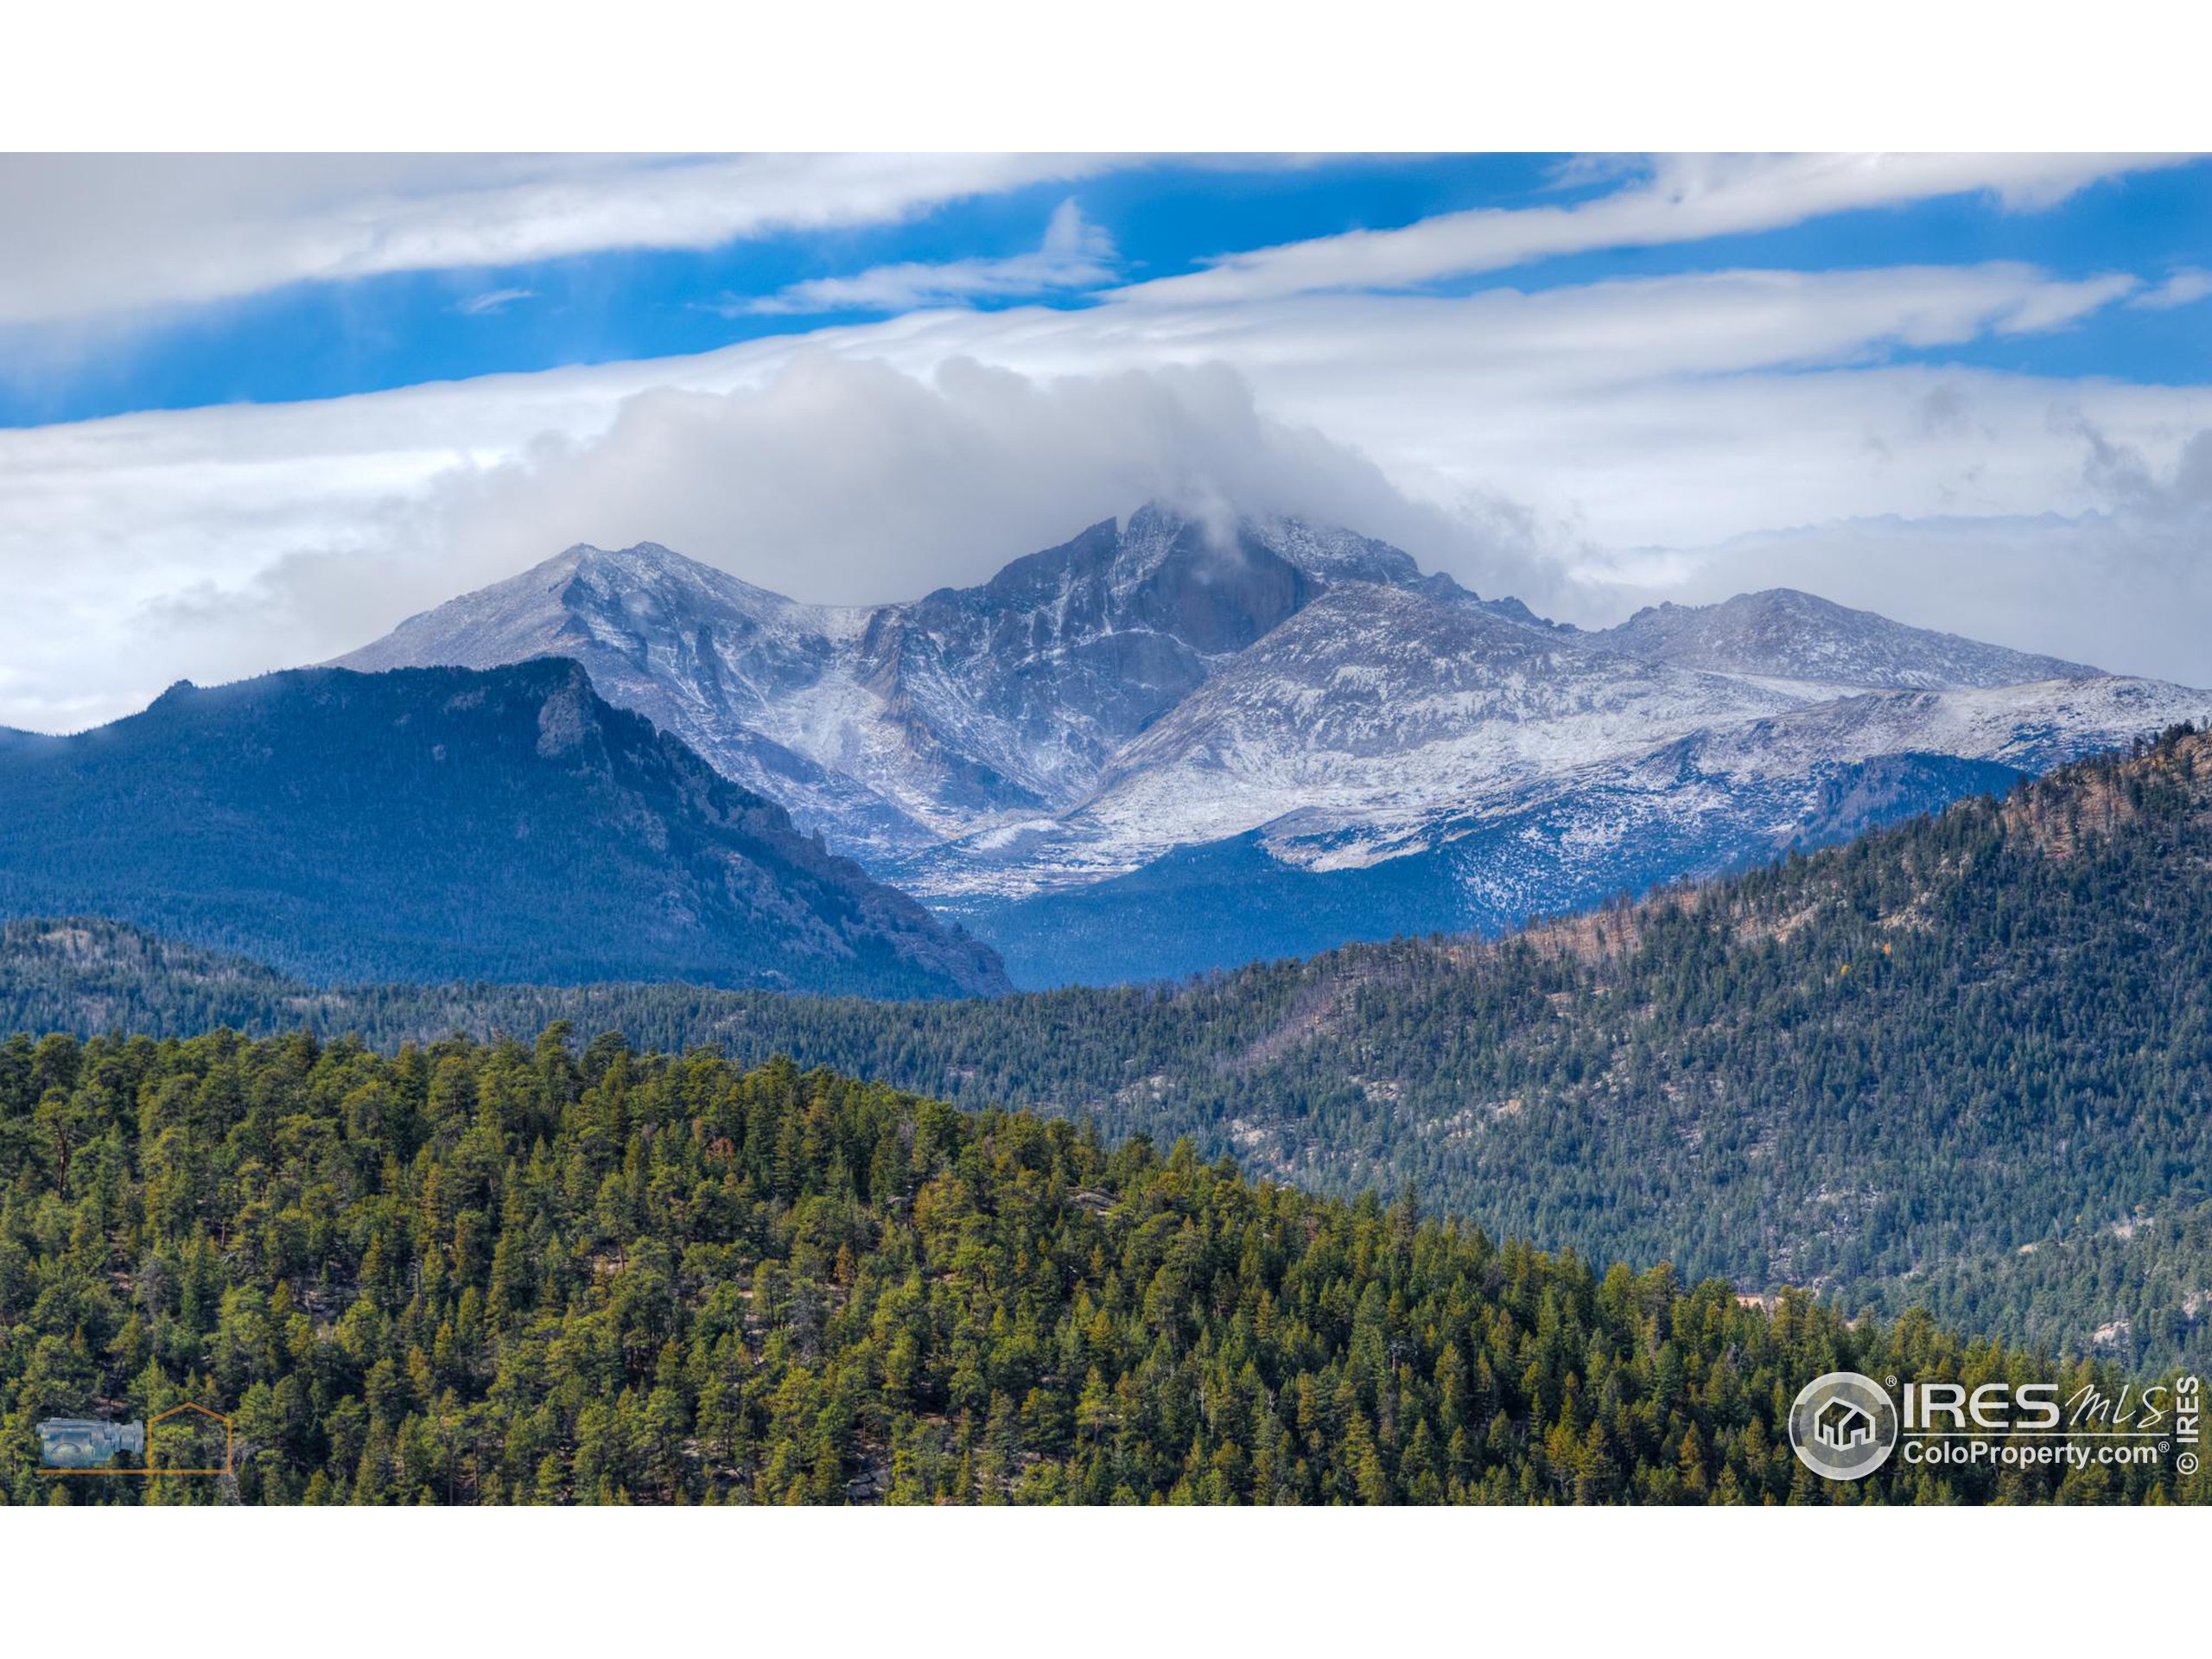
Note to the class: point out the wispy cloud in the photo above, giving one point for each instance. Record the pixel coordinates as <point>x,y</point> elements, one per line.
<point>1678,199</point>
<point>2182,288</point>
<point>482,305</point>
<point>94,235</point>
<point>1075,254</point>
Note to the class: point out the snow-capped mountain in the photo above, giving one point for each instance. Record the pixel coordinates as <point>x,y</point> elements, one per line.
<point>894,727</point>
<point>1372,710</point>
<point>1355,724</point>
<point>1164,746</point>
<point>1784,635</point>
<point>732,669</point>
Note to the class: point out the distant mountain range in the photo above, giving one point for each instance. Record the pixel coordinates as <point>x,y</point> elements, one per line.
<point>435,823</point>
<point>1785,635</point>
<point>1164,746</point>
<point>895,727</point>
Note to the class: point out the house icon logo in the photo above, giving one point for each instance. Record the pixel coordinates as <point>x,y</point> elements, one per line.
<point>1843,1426</point>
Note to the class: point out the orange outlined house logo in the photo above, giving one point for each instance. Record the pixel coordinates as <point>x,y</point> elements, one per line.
<point>82,1445</point>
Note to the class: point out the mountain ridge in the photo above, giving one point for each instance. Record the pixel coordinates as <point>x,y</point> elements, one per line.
<point>1788,633</point>
<point>1160,685</point>
<point>896,727</point>
<point>421,823</point>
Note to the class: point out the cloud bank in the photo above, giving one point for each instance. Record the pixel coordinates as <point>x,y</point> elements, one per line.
<point>1589,448</point>
<point>839,479</point>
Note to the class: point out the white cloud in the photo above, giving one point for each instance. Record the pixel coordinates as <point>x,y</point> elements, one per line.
<point>848,480</point>
<point>1685,199</point>
<point>2182,288</point>
<point>1627,409</point>
<point>2126,585</point>
<point>492,303</point>
<point>1075,254</point>
<point>1523,441</point>
<point>89,235</point>
<point>212,549</point>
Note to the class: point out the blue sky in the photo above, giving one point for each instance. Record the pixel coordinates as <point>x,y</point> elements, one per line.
<point>255,409</point>
<point>321,339</point>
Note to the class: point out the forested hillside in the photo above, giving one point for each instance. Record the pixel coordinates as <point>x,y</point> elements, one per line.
<point>1965,1063</point>
<point>517,1274</point>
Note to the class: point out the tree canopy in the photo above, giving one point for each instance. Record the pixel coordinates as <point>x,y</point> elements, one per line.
<point>523,1273</point>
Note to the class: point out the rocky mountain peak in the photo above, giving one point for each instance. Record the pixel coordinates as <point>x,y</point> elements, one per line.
<point>1784,633</point>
